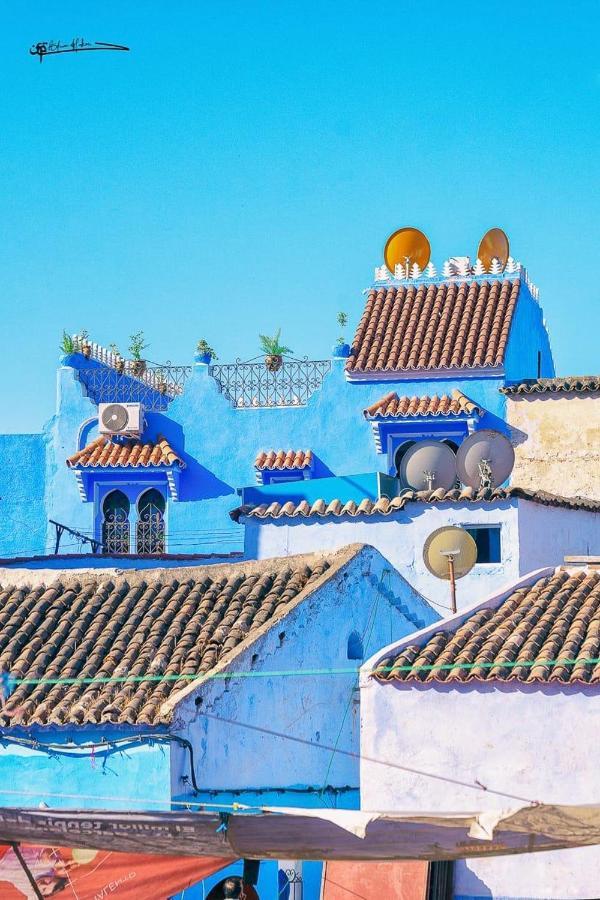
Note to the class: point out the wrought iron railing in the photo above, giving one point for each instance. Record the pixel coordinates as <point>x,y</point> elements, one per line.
<point>115,536</point>
<point>155,388</point>
<point>251,384</point>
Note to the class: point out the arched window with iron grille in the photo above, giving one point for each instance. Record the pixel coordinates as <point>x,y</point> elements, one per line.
<point>150,537</point>
<point>115,523</point>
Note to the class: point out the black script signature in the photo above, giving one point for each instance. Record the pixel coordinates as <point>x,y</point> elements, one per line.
<point>77,45</point>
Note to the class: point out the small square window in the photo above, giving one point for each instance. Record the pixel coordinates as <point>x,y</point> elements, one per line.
<point>487,538</point>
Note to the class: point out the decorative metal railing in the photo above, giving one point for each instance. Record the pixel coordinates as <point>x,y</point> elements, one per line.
<point>250,384</point>
<point>155,389</point>
<point>115,536</point>
<point>150,531</point>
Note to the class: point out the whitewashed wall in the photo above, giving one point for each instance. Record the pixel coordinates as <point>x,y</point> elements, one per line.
<point>400,539</point>
<point>532,742</point>
<point>532,536</point>
<point>365,595</point>
<point>548,534</point>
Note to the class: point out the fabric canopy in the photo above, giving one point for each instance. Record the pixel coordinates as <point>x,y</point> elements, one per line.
<point>295,833</point>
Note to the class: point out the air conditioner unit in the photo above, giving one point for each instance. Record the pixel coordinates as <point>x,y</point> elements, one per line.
<point>121,418</point>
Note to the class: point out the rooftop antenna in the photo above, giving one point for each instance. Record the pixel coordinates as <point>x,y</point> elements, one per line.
<point>485,459</point>
<point>494,245</point>
<point>427,466</point>
<point>406,247</point>
<point>450,553</point>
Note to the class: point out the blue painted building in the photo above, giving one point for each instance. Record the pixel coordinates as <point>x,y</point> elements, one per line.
<point>199,437</point>
<point>214,685</point>
<point>148,468</point>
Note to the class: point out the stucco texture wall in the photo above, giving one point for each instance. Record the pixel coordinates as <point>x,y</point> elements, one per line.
<point>22,503</point>
<point>322,709</point>
<point>500,736</point>
<point>557,442</point>
<point>401,538</point>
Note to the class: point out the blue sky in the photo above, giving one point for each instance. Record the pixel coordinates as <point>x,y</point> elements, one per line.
<point>241,167</point>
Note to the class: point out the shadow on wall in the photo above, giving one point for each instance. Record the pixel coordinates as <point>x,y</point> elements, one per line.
<point>468,885</point>
<point>197,482</point>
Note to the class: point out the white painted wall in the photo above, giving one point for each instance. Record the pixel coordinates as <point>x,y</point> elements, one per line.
<point>547,534</point>
<point>527,741</point>
<point>364,595</point>
<point>400,539</point>
<point>532,536</point>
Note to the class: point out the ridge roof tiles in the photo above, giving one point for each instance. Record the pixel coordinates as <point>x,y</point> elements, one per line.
<point>394,406</point>
<point>555,618</point>
<point>143,623</point>
<point>452,325</point>
<point>107,453</point>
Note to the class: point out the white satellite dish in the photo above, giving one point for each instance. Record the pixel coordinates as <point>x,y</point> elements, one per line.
<point>428,465</point>
<point>485,459</point>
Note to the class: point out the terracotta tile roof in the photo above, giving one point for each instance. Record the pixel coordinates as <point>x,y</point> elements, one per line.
<point>108,453</point>
<point>385,507</point>
<point>577,384</point>
<point>434,326</point>
<point>556,618</point>
<point>392,406</point>
<point>283,459</point>
<point>93,625</point>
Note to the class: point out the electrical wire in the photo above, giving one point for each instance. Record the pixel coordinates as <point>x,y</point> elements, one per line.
<point>475,785</point>
<point>107,746</point>
<point>303,673</point>
<point>361,757</point>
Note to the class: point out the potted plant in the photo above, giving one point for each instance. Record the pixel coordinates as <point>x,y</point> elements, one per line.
<point>67,345</point>
<point>136,348</point>
<point>273,350</point>
<point>119,362</point>
<point>204,353</point>
<point>341,349</point>
<point>86,347</point>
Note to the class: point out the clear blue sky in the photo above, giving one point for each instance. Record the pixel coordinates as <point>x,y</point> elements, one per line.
<point>241,167</point>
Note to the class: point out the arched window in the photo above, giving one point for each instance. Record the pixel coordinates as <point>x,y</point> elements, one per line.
<point>115,523</point>
<point>399,455</point>
<point>355,646</point>
<point>151,523</point>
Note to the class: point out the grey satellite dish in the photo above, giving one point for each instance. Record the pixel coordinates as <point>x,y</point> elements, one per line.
<point>427,466</point>
<point>485,459</point>
<point>450,553</point>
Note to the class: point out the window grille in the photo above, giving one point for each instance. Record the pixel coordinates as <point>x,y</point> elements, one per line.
<point>115,525</point>
<point>150,536</point>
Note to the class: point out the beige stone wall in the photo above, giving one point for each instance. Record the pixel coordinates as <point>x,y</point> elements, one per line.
<point>557,442</point>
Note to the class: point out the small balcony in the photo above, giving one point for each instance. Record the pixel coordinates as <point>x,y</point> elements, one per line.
<point>250,385</point>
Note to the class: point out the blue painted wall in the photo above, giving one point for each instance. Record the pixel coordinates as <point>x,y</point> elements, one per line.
<point>132,775</point>
<point>22,494</point>
<point>219,443</point>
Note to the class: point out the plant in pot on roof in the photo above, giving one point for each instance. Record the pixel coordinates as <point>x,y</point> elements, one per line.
<point>136,348</point>
<point>84,344</point>
<point>273,350</point>
<point>204,353</point>
<point>67,344</point>
<point>118,361</point>
<point>342,348</point>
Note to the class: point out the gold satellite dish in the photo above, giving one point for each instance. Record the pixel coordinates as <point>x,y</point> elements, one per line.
<point>406,246</point>
<point>493,245</point>
<point>450,553</point>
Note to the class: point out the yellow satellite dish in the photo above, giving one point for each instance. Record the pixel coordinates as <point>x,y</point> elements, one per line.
<point>494,245</point>
<point>450,553</point>
<point>406,246</point>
